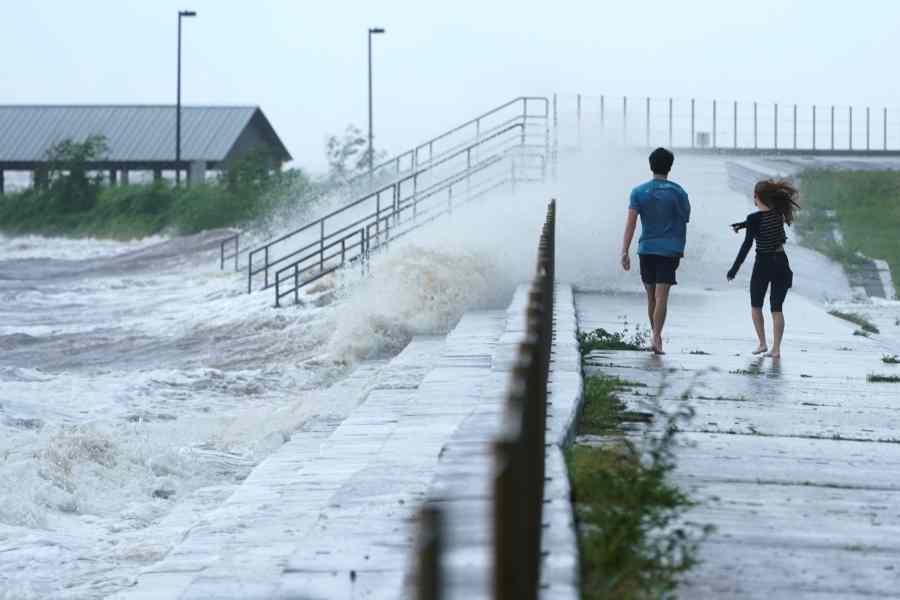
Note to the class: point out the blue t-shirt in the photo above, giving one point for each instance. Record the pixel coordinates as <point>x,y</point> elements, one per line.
<point>665,210</point>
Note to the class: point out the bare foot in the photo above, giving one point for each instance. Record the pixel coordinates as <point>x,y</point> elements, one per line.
<point>656,346</point>
<point>760,350</point>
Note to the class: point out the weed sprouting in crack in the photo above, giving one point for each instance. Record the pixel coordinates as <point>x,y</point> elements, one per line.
<point>635,539</point>
<point>601,339</point>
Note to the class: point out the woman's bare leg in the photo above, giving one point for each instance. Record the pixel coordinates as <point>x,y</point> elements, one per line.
<point>778,327</point>
<point>759,324</point>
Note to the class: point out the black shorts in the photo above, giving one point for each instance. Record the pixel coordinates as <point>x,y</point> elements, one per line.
<point>658,269</point>
<point>771,269</point>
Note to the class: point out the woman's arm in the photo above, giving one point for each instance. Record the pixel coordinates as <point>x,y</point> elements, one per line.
<point>742,253</point>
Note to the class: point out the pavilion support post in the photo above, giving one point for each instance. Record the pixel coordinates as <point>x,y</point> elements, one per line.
<point>124,177</point>
<point>113,177</point>
<point>157,174</point>
<point>2,183</point>
<point>41,178</point>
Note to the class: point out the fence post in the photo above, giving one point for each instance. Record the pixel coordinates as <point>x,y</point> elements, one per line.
<point>277,292</point>
<point>578,117</point>
<point>266,275</point>
<point>814,128</point>
<point>624,120</point>
<point>776,126</point>
<point>507,546</point>
<point>832,127</point>
<point>249,272</point>
<point>602,112</point>
<point>670,122</point>
<point>429,547</point>
<point>755,125</point>
<point>715,123</point>
<point>647,123</point>
<point>868,147</point>
<point>735,124</point>
<point>795,127</point>
<point>850,138</point>
<point>693,122</point>
<point>296,283</point>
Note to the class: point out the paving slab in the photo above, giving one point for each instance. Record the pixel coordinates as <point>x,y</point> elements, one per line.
<point>795,461</point>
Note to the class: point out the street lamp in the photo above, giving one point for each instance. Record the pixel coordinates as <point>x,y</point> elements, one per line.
<point>372,30</point>
<point>181,14</point>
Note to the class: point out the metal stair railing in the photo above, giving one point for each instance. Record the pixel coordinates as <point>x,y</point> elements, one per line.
<point>426,154</point>
<point>357,240</point>
<point>406,192</point>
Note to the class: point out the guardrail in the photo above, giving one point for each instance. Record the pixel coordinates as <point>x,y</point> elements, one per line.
<point>730,126</point>
<point>519,457</point>
<point>427,154</point>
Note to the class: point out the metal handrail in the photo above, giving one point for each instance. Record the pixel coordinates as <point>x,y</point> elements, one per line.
<point>388,221</point>
<point>375,195</point>
<point>524,117</point>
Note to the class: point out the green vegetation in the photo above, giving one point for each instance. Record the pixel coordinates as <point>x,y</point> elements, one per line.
<point>634,542</point>
<point>74,202</point>
<point>856,319</point>
<point>601,339</point>
<point>890,359</point>
<point>866,208</point>
<point>875,378</point>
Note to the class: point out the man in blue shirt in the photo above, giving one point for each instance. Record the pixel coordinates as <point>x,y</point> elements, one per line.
<point>664,210</point>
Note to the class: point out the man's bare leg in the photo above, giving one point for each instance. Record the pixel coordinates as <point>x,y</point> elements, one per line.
<point>659,315</point>
<point>651,304</point>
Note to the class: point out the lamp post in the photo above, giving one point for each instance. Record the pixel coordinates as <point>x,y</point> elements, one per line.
<point>181,14</point>
<point>372,30</point>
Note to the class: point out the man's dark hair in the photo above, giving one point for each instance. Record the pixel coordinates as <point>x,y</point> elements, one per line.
<point>661,161</point>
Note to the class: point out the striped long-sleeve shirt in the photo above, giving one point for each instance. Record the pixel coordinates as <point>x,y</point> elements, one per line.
<point>767,229</point>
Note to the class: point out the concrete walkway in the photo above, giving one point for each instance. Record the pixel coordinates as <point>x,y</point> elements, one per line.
<point>796,462</point>
<point>331,514</point>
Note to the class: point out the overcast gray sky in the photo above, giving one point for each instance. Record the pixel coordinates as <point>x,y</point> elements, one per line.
<point>304,61</point>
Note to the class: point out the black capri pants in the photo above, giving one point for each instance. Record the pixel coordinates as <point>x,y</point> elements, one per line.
<point>770,269</point>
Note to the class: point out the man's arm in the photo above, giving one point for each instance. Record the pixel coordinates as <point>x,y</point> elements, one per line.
<point>685,206</point>
<point>630,225</point>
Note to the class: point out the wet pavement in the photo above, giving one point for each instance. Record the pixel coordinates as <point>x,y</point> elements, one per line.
<point>795,461</point>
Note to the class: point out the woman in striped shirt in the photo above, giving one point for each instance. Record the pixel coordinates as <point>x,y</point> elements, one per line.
<point>776,201</point>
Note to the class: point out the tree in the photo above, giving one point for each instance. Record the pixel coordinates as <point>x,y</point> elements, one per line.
<point>348,155</point>
<point>71,187</point>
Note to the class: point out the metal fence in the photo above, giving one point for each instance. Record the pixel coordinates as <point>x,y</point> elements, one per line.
<point>728,125</point>
<point>519,456</point>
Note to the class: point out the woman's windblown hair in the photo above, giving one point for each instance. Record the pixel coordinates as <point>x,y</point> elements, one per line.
<point>778,195</point>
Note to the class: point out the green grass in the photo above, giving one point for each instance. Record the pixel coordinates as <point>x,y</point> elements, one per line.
<point>875,378</point>
<point>890,359</point>
<point>856,319</point>
<point>601,339</point>
<point>867,211</point>
<point>633,540</point>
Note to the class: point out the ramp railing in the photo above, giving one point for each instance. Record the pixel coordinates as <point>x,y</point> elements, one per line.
<point>352,233</point>
<point>532,112</point>
<point>519,458</point>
